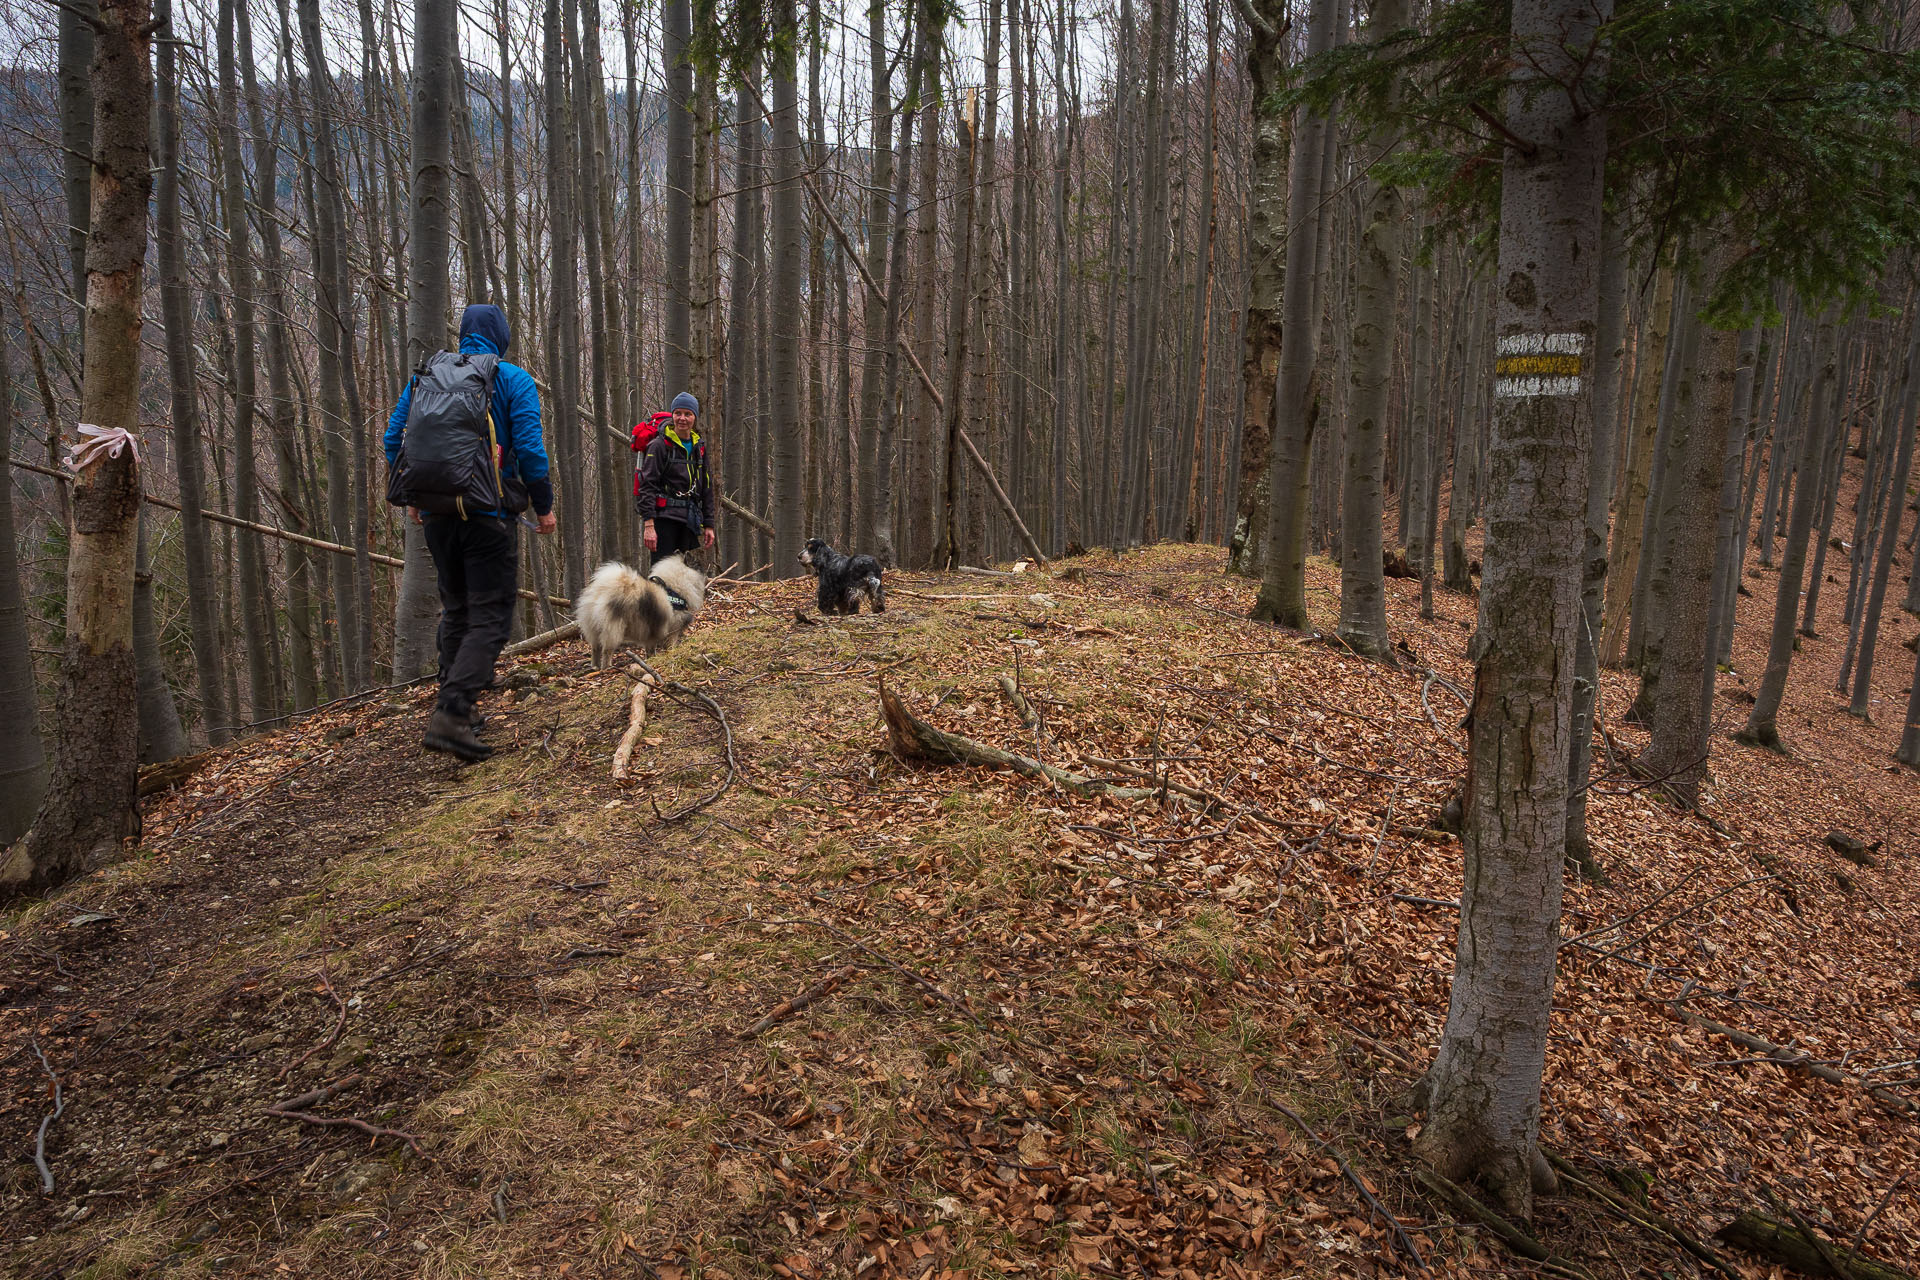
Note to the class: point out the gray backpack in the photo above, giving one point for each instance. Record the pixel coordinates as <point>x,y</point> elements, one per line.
<point>452,461</point>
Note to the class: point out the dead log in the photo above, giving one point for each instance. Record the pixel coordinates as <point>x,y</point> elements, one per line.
<point>1854,849</point>
<point>541,641</point>
<point>171,773</point>
<point>914,739</point>
<point>1798,1249</point>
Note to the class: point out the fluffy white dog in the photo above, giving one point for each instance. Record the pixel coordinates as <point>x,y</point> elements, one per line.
<point>619,607</point>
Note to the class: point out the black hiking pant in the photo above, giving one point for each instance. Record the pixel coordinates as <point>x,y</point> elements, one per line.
<point>477,561</point>
<point>675,537</point>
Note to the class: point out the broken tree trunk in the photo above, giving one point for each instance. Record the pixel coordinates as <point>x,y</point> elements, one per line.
<point>914,739</point>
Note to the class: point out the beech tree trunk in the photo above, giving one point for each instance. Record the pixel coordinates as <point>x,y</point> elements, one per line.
<point>23,763</point>
<point>176,308</point>
<point>1623,557</point>
<point>1861,702</point>
<point>788,317</point>
<point>90,808</point>
<point>416,610</point>
<point>1483,1090</point>
<point>1610,365</point>
<point>1363,599</point>
<point>1762,727</point>
<point>1283,581</point>
<point>676,28</point>
<point>1682,694</point>
<point>257,622</point>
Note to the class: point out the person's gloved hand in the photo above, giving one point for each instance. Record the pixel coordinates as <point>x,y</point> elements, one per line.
<point>649,537</point>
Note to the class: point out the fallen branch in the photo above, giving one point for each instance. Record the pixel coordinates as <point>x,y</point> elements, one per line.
<point>294,1109</point>
<point>636,723</point>
<point>787,1008</point>
<point>541,641</point>
<point>1642,1216</point>
<point>1018,701</point>
<point>326,980</point>
<point>726,731</point>
<point>40,1138</point>
<point>1788,1058</point>
<point>1801,1250</point>
<point>1463,1202</point>
<point>1400,1236</point>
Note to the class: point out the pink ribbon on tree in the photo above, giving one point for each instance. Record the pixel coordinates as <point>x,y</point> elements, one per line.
<point>98,442</point>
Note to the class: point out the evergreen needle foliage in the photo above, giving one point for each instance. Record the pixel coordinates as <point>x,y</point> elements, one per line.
<point>1788,125</point>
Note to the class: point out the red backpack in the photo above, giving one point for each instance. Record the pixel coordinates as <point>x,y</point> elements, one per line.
<point>645,433</point>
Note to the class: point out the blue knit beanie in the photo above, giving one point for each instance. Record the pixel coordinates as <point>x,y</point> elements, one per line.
<point>685,400</point>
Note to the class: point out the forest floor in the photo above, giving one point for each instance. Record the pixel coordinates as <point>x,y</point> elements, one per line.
<point>1068,1037</point>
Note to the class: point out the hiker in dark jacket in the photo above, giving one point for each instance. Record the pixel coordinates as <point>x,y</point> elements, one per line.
<point>476,558</point>
<point>675,494</point>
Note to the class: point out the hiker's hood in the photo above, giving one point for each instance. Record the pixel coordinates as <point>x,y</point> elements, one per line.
<point>484,328</point>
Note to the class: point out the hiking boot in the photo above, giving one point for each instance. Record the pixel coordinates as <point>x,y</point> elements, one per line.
<point>454,734</point>
<point>475,719</point>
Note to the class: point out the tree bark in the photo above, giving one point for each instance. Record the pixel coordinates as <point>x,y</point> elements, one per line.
<point>676,26</point>
<point>1623,557</point>
<point>787,314</point>
<point>23,762</point>
<point>1862,699</point>
<point>176,306</point>
<point>1610,346</point>
<point>1363,601</point>
<point>1267,210</point>
<point>91,799</point>
<point>1483,1090</point>
<point>1682,706</point>
<point>1762,727</point>
<point>1283,583</point>
<point>429,215</point>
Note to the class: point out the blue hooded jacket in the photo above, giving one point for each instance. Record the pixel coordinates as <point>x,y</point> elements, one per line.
<point>516,405</point>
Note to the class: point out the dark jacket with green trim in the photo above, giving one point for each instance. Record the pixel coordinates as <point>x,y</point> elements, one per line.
<point>675,483</point>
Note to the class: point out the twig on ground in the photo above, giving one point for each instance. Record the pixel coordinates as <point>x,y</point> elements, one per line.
<point>326,980</point>
<point>787,1008</point>
<point>541,641</point>
<point>1400,1236</point>
<point>1860,1236</point>
<point>414,963</point>
<point>726,731</point>
<point>40,1137</point>
<point>294,1109</point>
<point>1642,1216</point>
<point>1787,1058</point>
<point>1385,822</point>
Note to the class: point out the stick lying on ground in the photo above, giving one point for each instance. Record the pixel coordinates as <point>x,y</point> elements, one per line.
<point>1787,1057</point>
<point>787,1008</point>
<point>291,1110</point>
<point>636,722</point>
<point>1801,1250</point>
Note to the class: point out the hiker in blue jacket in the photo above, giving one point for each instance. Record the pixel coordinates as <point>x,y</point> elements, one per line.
<point>476,556</point>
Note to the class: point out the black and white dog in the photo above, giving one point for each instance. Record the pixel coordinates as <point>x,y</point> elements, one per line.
<point>844,579</point>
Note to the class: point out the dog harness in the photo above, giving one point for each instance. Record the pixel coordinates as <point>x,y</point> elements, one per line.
<point>673,597</point>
